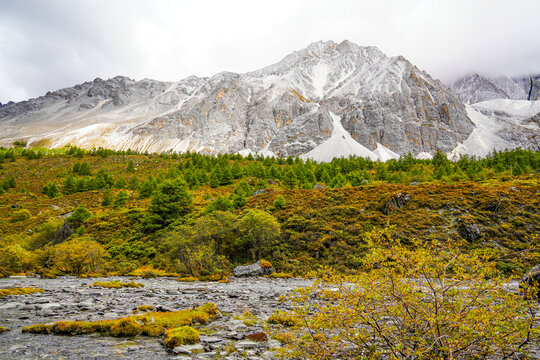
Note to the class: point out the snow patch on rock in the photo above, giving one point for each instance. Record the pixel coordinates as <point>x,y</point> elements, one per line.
<point>340,144</point>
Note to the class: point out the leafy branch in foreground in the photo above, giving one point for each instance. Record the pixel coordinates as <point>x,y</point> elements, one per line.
<point>411,303</point>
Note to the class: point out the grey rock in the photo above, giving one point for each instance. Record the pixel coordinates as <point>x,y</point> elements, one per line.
<point>11,305</point>
<point>532,278</point>
<point>395,203</point>
<point>259,192</point>
<point>469,231</point>
<point>273,344</point>
<point>209,339</point>
<point>49,306</point>
<point>181,350</point>
<point>269,355</point>
<point>252,270</point>
<point>195,348</point>
<point>319,186</point>
<point>246,344</point>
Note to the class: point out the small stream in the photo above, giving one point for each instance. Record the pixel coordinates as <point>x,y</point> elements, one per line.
<point>71,298</point>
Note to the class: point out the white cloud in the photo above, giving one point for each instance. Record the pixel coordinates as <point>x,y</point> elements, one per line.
<point>48,45</point>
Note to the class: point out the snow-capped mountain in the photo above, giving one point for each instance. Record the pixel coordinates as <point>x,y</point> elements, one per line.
<point>323,101</point>
<point>501,124</point>
<point>474,88</point>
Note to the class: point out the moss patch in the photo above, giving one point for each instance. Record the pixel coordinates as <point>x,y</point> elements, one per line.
<point>116,284</point>
<point>150,324</point>
<point>181,336</point>
<point>143,309</point>
<point>279,275</point>
<point>19,291</point>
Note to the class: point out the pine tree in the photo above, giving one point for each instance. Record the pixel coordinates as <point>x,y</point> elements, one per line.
<point>226,176</point>
<point>51,190</point>
<point>121,199</point>
<point>236,171</point>
<point>309,176</point>
<point>121,183</point>
<point>85,169</point>
<point>274,172</point>
<point>80,186</point>
<point>147,187</point>
<point>238,200</point>
<point>130,167</point>
<point>133,183</point>
<point>517,170</point>
<point>107,198</point>
<point>242,188</point>
<point>222,203</point>
<point>77,167</point>
<point>214,180</point>
<point>289,179</point>
<point>279,202</point>
<point>69,185</point>
<point>170,201</point>
<point>325,177</point>
<point>338,181</point>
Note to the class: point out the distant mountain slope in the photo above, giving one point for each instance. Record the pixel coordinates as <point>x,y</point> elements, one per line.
<point>380,106</point>
<point>501,124</point>
<point>474,88</point>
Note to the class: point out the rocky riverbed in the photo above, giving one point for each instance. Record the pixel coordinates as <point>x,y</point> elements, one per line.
<point>70,298</point>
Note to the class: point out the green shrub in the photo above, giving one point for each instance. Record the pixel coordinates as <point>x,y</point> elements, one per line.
<point>21,215</point>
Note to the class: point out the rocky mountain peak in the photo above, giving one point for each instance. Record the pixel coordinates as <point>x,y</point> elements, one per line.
<point>336,99</point>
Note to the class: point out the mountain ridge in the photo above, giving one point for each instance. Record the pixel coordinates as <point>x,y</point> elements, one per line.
<point>473,88</point>
<point>386,104</point>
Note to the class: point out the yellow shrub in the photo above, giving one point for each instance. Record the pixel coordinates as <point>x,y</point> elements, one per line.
<point>265,264</point>
<point>282,318</point>
<point>21,215</point>
<point>78,256</point>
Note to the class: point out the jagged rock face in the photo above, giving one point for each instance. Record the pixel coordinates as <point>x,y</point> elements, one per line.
<point>474,88</point>
<point>285,109</point>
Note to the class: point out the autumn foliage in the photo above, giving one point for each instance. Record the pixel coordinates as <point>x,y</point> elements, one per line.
<point>419,302</point>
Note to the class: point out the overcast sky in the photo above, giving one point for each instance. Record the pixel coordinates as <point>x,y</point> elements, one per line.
<point>47,45</point>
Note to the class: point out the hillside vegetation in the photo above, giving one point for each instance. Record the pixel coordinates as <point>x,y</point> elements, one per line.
<point>73,211</point>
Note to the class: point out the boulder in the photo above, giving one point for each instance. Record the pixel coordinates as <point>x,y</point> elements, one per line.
<point>259,268</point>
<point>395,203</point>
<point>188,349</point>
<point>532,278</point>
<point>246,344</point>
<point>319,186</point>
<point>469,231</point>
<point>259,192</point>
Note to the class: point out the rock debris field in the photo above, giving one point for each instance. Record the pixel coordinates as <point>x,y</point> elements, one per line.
<point>70,298</point>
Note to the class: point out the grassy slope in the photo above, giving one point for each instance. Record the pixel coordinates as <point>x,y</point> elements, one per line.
<point>319,226</point>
